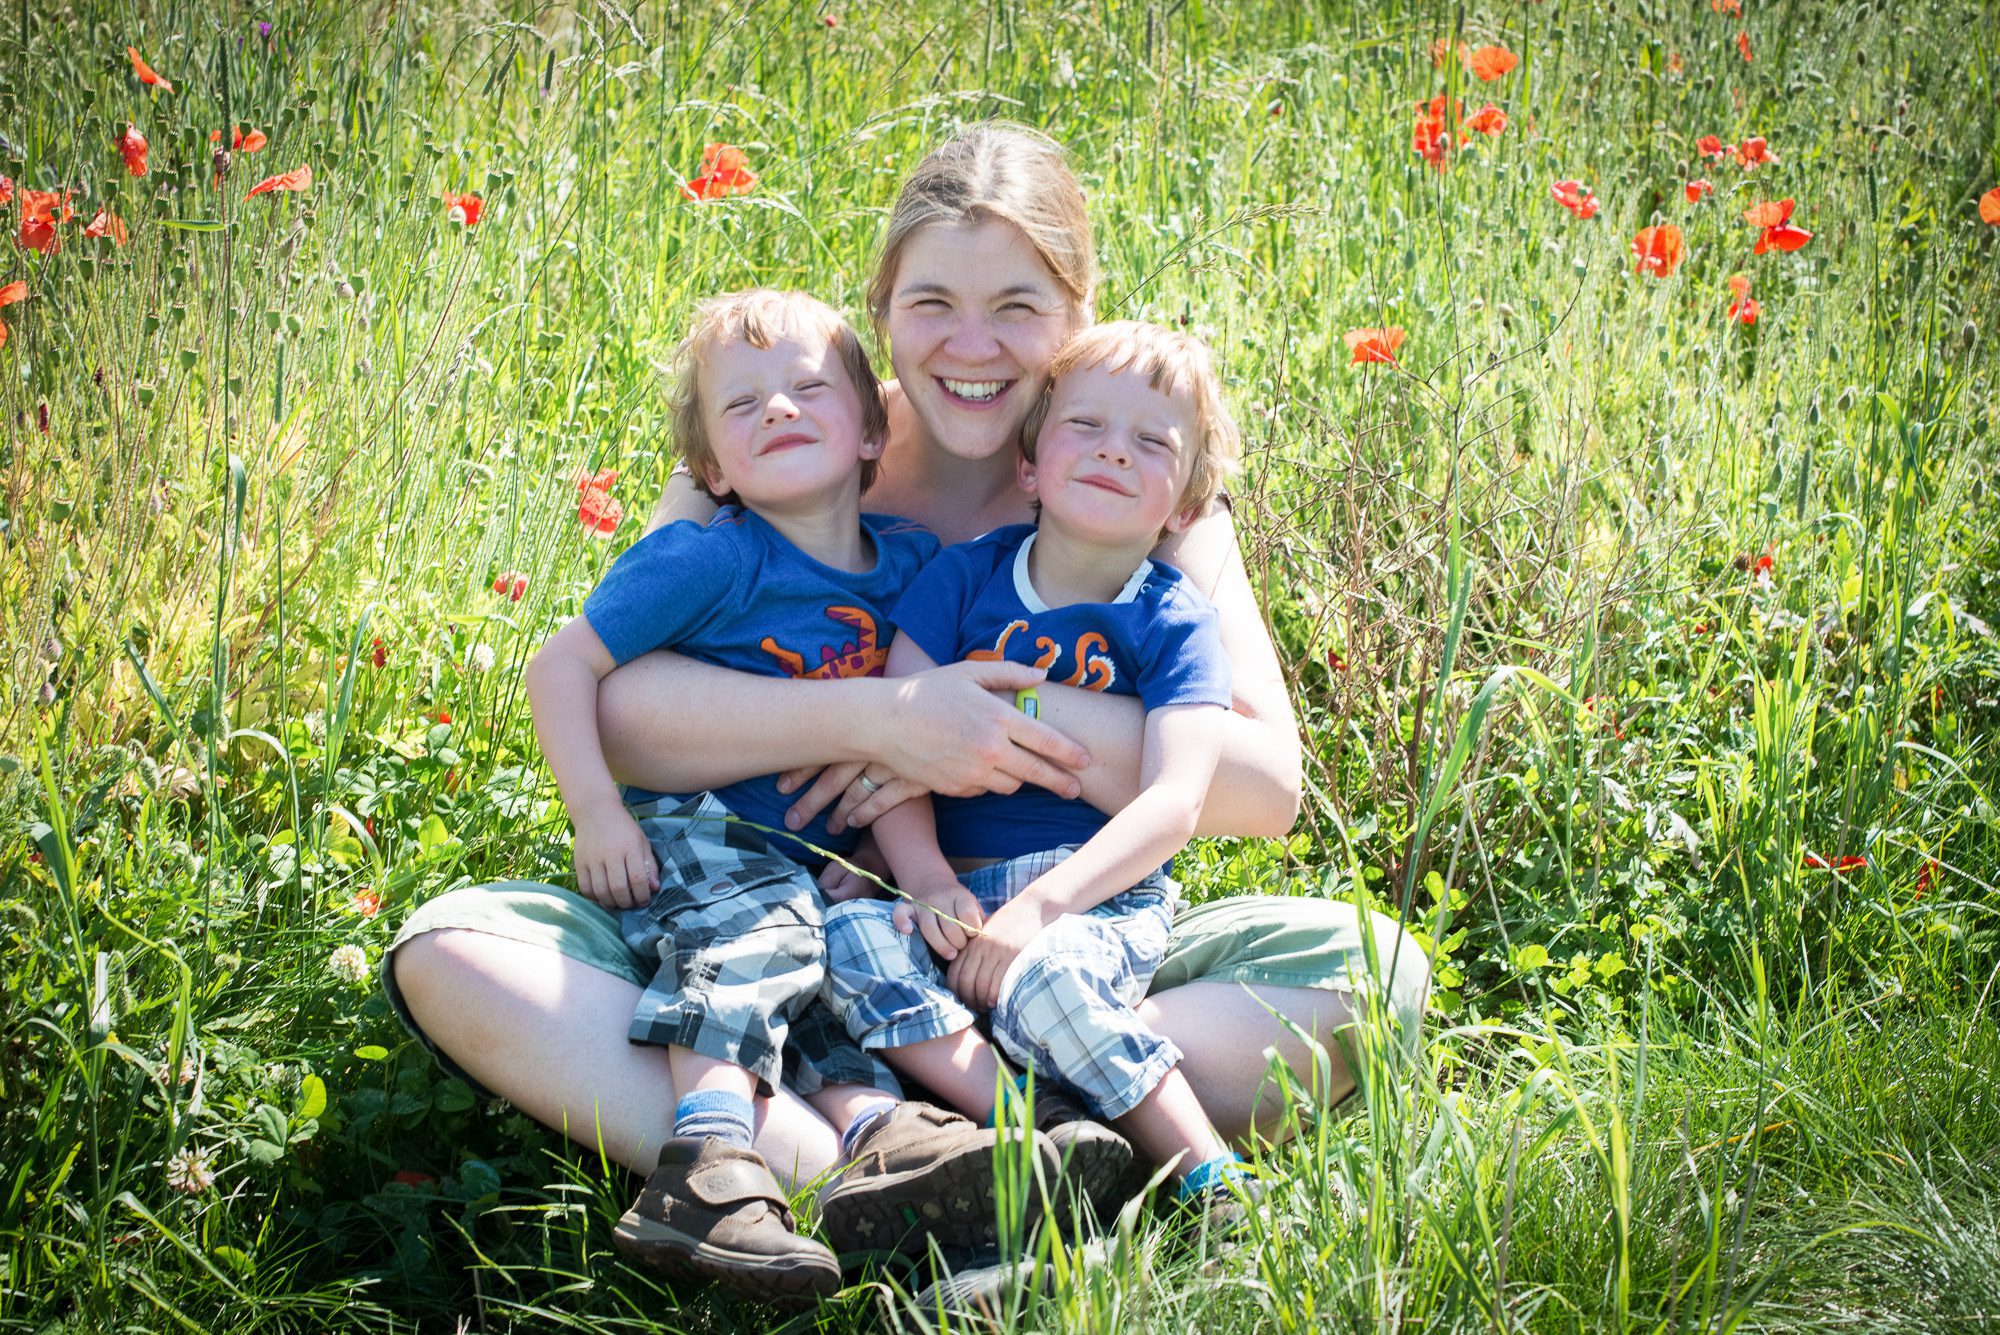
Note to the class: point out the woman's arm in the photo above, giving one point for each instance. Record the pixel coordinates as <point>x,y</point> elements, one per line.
<point>1256,789</point>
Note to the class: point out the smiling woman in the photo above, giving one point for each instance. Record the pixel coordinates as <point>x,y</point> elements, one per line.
<point>986,270</point>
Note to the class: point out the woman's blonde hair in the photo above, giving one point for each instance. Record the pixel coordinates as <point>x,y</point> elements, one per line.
<point>1174,364</point>
<point>995,170</point>
<point>760,316</point>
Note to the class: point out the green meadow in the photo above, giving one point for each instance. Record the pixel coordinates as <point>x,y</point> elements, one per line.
<point>1644,656</point>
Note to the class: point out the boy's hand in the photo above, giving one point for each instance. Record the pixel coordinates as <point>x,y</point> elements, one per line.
<point>615,865</point>
<point>947,913</point>
<point>838,882</point>
<point>975,975</point>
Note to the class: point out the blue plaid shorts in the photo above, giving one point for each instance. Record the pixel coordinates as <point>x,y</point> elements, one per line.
<point>735,931</point>
<point>1066,1005</point>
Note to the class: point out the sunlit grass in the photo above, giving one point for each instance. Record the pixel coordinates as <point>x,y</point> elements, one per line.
<point>264,464</point>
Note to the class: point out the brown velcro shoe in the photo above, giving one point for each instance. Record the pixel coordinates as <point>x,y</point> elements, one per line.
<point>1097,1162</point>
<point>922,1173</point>
<point>716,1210</point>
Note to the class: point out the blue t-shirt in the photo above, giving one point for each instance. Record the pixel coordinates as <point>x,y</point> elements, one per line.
<point>1158,640</point>
<point>736,593</point>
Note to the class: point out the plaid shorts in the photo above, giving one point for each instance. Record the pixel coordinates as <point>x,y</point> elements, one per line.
<point>736,933</point>
<point>1066,1004</point>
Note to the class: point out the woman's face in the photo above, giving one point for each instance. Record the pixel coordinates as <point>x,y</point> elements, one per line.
<point>974,319</point>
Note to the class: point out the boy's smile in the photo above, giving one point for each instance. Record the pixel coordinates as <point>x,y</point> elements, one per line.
<point>784,423</point>
<point>1113,458</point>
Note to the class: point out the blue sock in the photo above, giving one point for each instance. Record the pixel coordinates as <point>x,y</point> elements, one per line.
<point>1209,1175</point>
<point>864,1119</point>
<point>1013,1092</point>
<point>717,1113</point>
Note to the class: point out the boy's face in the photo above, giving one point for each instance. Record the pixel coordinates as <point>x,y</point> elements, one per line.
<point>1113,457</point>
<point>784,422</point>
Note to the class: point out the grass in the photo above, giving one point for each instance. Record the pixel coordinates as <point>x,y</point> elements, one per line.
<point>265,462</point>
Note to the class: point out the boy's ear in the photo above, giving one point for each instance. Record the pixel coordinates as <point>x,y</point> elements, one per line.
<point>1024,472</point>
<point>1181,520</point>
<point>874,447</point>
<point>717,485</point>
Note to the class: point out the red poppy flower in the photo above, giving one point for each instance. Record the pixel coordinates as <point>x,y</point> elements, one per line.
<point>1711,146</point>
<point>132,145</point>
<point>1765,565</point>
<point>1926,877</point>
<point>444,716</point>
<point>1489,119</point>
<point>1699,190</point>
<point>601,480</point>
<point>1673,62</point>
<point>106,225</point>
<point>1429,141</point>
<point>1770,212</point>
<point>464,209</point>
<point>724,171</point>
<point>1373,345</point>
<point>1774,218</point>
<point>145,71</point>
<point>1658,250</point>
<point>1752,151</point>
<point>600,514</point>
<point>366,903</point>
<point>13,292</point>
<point>1846,863</point>
<point>1989,206</point>
<point>830,21</point>
<point>1726,6</point>
<point>1743,45</point>
<point>1444,48</point>
<point>241,142</point>
<point>1575,196</point>
<point>6,190</point>
<point>512,583</point>
<point>298,178</point>
<point>41,210</point>
<point>1744,310</point>
<point>1491,62</point>
<point>380,657</point>
<point>1739,284</point>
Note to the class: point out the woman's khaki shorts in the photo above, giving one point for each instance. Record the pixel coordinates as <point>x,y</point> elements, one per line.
<point>1257,940</point>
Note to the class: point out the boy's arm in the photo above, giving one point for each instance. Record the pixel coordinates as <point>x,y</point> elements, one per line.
<point>614,862</point>
<point>1183,743</point>
<point>907,835</point>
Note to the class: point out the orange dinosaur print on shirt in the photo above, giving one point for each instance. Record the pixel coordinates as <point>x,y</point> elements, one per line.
<point>864,657</point>
<point>1094,671</point>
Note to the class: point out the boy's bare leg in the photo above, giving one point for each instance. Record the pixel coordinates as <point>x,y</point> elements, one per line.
<point>1169,1126</point>
<point>841,1104</point>
<point>963,1068</point>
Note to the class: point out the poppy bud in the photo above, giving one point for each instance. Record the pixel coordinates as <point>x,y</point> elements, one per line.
<point>47,694</point>
<point>1506,312</point>
<point>344,290</point>
<point>1846,399</point>
<point>221,163</point>
<point>1970,333</point>
<point>456,216</point>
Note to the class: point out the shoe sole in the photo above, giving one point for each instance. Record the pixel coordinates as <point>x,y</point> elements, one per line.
<point>950,1200</point>
<point>662,1247</point>
<point>1095,1165</point>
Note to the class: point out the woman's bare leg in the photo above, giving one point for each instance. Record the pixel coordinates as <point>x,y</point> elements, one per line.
<point>1223,1031</point>
<point>548,1033</point>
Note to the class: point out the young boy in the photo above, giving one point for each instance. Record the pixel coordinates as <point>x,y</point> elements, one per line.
<point>777,408</point>
<point>1062,915</point>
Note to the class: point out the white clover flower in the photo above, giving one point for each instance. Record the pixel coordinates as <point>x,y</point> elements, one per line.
<point>481,659</point>
<point>190,1171</point>
<point>348,963</point>
<point>315,721</point>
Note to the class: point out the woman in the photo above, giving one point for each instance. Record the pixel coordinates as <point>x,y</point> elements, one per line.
<point>986,270</point>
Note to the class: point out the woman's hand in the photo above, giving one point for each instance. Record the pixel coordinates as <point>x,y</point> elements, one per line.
<point>949,731</point>
<point>857,784</point>
<point>976,974</point>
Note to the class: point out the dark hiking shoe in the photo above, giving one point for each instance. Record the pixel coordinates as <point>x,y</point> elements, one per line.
<point>1096,1161</point>
<point>715,1210</point>
<point>920,1173</point>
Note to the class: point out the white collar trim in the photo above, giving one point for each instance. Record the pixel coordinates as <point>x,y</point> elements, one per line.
<point>1024,588</point>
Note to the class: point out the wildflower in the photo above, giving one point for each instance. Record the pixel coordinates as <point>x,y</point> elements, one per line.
<point>408,1178</point>
<point>41,210</point>
<point>1774,218</point>
<point>380,654</point>
<point>298,178</point>
<point>512,583</point>
<point>1674,63</point>
<point>1752,151</point>
<point>1838,866</point>
<point>1730,7</point>
<point>132,146</point>
<point>1489,119</point>
<point>1429,141</point>
<point>1491,62</point>
<point>1743,309</point>
<point>481,658</point>
<point>145,71</point>
<point>1445,48</point>
<point>366,903</point>
<point>1743,45</point>
<point>104,224</point>
<point>13,292</point>
<point>1335,661</point>
<point>348,963</point>
<point>724,171</point>
<point>1926,877</point>
<point>1711,147</point>
<point>465,210</point>
<point>6,190</point>
<point>1698,190</point>
<point>601,480</point>
<point>1575,196</point>
<point>1373,345</point>
<point>1989,205</point>
<point>830,20</point>
<point>189,1170</point>
<point>1658,250</point>
<point>241,142</point>
<point>600,514</point>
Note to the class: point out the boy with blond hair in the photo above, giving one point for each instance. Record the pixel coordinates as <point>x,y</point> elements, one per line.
<point>778,411</point>
<point>1038,912</point>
